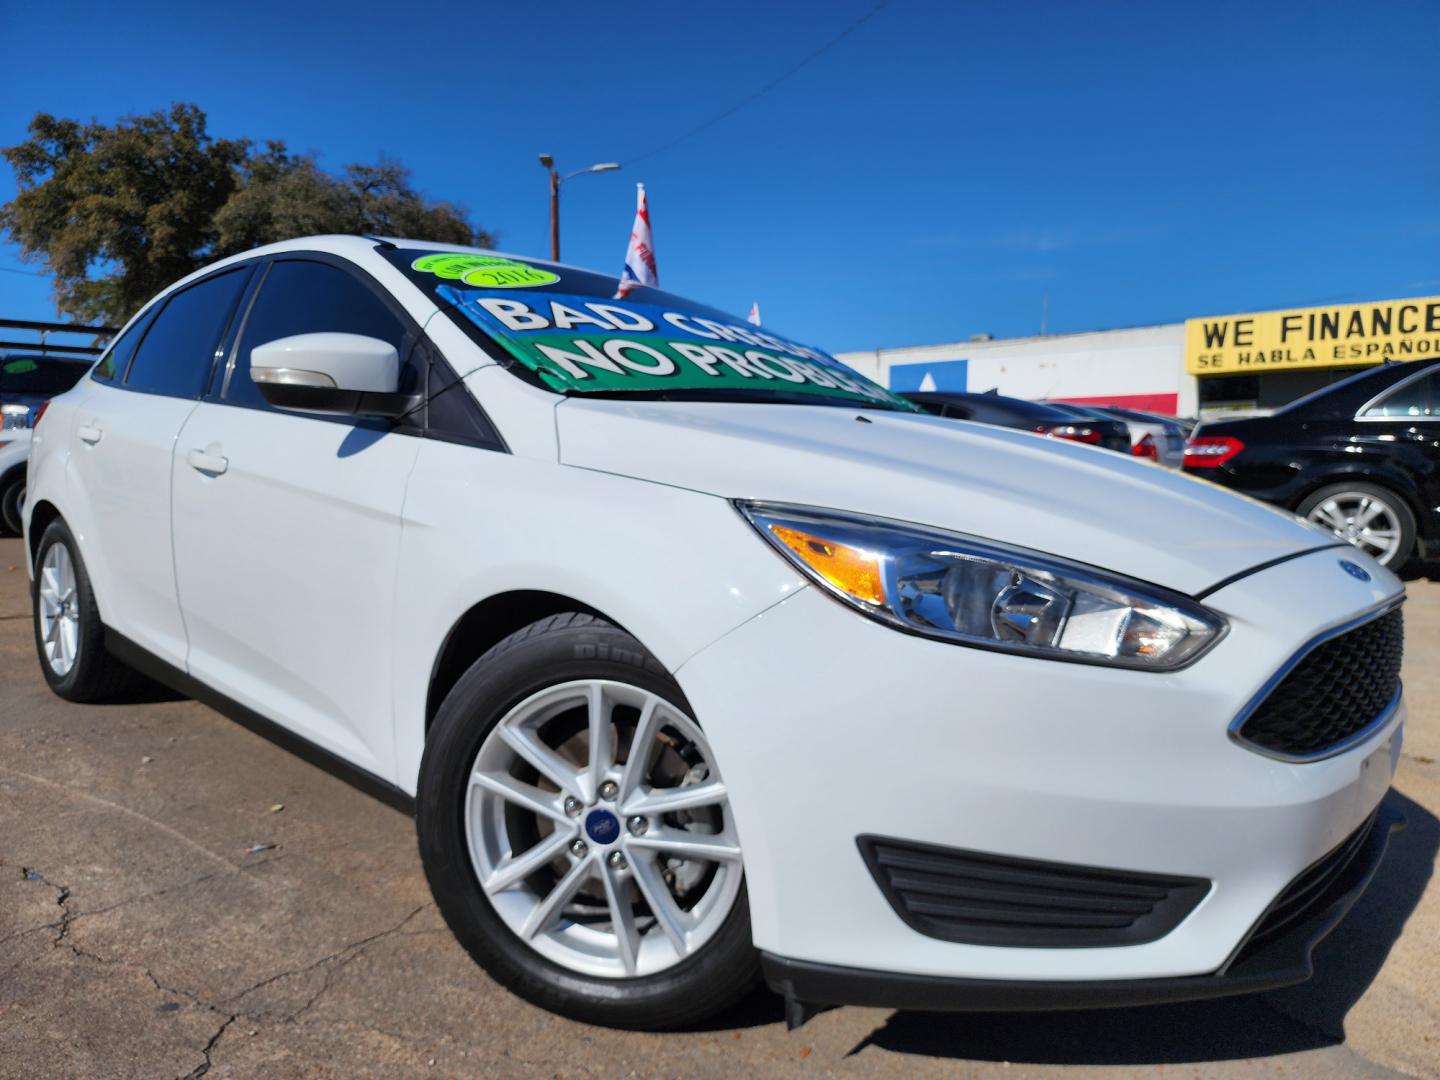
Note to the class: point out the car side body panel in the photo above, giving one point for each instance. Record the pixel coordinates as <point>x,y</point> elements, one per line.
<point>675,568</point>
<point>118,489</point>
<point>285,566</point>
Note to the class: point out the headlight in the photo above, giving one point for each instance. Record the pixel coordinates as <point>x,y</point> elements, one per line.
<point>974,592</point>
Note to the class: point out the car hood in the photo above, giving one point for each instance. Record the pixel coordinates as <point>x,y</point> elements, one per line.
<point>1090,505</point>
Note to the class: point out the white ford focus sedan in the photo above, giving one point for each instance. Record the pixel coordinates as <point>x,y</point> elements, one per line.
<point>701,659</point>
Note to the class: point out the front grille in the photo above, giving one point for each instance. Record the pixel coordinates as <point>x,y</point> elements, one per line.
<point>1301,895</point>
<point>1336,691</point>
<point>982,899</point>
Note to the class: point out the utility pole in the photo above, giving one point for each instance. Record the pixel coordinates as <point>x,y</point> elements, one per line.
<point>547,162</point>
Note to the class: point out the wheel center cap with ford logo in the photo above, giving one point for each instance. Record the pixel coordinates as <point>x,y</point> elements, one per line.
<point>602,826</point>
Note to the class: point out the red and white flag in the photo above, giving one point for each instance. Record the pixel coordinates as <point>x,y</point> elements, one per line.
<point>754,316</point>
<point>640,255</point>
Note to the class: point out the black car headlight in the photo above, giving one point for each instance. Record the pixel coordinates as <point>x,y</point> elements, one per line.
<point>975,592</point>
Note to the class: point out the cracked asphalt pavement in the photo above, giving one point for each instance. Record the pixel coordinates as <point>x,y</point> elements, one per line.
<point>158,919</point>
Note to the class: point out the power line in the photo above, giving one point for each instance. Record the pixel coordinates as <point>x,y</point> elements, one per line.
<point>31,273</point>
<point>764,89</point>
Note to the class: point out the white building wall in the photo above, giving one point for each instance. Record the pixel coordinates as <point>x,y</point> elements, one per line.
<point>1142,367</point>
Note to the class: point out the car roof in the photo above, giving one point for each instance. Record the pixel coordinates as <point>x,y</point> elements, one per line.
<point>361,248</point>
<point>1349,393</point>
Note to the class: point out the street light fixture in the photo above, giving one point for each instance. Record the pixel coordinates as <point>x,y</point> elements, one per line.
<point>547,162</point>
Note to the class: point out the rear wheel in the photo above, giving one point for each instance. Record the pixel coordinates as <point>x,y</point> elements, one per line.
<point>577,834</point>
<point>69,636</point>
<point>1373,518</point>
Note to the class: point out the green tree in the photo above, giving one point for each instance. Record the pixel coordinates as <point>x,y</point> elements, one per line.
<point>118,212</point>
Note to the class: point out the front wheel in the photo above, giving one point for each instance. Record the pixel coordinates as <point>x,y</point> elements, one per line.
<point>577,834</point>
<point>1373,518</point>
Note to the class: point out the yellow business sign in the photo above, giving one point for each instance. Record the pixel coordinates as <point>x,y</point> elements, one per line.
<point>1314,337</point>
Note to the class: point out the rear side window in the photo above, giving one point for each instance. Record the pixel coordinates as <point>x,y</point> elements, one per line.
<point>1414,398</point>
<point>115,362</point>
<point>177,354</point>
<point>303,297</point>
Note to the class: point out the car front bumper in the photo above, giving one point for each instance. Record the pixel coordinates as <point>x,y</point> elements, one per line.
<point>1282,960</point>
<point>841,728</point>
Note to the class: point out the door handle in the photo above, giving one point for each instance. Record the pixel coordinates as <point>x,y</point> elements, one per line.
<point>89,435</point>
<point>208,464</point>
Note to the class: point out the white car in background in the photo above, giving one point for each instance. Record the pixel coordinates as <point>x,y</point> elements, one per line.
<point>702,659</point>
<point>1159,438</point>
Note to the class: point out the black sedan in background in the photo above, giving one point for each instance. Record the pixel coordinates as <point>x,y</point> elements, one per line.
<point>1069,423</point>
<point>1361,458</point>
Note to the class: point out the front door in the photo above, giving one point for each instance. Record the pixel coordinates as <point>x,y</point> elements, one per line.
<point>287,531</point>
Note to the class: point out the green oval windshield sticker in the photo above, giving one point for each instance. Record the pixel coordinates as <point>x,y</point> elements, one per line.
<point>485,271</point>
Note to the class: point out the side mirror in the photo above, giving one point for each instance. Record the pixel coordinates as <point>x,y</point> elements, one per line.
<point>340,374</point>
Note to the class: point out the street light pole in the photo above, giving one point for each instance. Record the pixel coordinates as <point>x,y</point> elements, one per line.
<point>547,162</point>
<point>554,216</point>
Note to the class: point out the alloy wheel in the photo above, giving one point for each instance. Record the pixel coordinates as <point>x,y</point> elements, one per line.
<point>599,829</point>
<point>59,610</point>
<point>1362,520</point>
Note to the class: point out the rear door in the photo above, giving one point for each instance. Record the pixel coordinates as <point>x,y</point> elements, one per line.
<point>126,422</point>
<point>287,526</point>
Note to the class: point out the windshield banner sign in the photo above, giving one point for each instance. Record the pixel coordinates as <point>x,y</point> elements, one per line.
<point>581,344</point>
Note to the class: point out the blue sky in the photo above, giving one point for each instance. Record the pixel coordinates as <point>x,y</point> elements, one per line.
<point>931,176</point>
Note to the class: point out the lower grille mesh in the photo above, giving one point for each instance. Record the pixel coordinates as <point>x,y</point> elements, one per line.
<point>983,899</point>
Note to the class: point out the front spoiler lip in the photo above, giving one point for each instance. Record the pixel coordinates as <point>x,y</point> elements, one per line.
<point>808,987</point>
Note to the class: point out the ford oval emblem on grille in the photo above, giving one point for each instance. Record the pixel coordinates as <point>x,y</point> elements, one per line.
<point>1359,573</point>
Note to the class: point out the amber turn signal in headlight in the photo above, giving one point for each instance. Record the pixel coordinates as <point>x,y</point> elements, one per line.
<point>853,571</point>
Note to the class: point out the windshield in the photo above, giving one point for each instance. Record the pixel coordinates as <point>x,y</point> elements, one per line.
<point>568,331</point>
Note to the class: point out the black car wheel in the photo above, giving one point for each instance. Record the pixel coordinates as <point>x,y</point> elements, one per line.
<point>12,502</point>
<point>1373,518</point>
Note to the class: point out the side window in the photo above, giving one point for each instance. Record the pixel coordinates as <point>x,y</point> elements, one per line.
<point>957,412</point>
<point>177,354</point>
<point>115,361</point>
<point>302,297</point>
<point>1414,398</point>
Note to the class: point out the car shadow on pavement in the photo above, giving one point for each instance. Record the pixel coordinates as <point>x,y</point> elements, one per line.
<point>1416,569</point>
<point>1304,1017</point>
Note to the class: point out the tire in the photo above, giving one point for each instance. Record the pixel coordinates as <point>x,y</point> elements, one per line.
<point>1373,518</point>
<point>12,502</point>
<point>566,655</point>
<point>92,674</point>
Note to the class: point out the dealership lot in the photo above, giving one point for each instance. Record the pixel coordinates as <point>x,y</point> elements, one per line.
<point>159,916</point>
